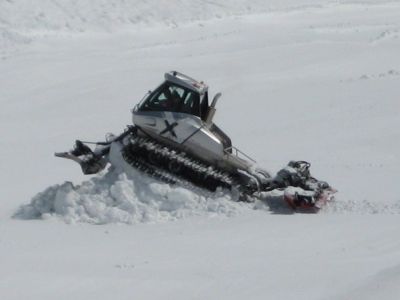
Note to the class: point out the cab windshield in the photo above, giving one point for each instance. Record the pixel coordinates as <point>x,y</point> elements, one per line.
<point>173,98</point>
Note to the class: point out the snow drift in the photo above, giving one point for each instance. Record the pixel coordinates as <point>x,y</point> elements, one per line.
<point>115,198</point>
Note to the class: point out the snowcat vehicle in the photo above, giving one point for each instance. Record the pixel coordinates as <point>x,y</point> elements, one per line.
<point>174,139</point>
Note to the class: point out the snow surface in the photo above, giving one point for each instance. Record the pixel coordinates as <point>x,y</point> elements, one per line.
<point>304,79</point>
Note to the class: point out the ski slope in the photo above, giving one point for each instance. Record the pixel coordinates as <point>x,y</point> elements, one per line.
<point>312,80</point>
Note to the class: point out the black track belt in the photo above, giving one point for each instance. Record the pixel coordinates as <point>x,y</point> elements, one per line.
<point>172,166</point>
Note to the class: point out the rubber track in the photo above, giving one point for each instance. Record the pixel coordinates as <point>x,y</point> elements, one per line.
<point>137,150</point>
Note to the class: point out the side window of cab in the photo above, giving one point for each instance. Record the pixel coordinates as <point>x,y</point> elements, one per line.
<point>174,98</point>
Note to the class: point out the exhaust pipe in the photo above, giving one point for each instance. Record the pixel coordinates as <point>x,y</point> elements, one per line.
<point>212,110</point>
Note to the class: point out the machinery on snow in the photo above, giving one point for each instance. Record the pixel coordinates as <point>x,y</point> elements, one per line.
<point>174,139</point>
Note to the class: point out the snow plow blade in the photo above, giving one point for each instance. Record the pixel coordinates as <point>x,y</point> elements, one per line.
<point>90,163</point>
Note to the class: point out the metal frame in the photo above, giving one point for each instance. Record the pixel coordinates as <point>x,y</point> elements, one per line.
<point>236,153</point>
<point>186,81</point>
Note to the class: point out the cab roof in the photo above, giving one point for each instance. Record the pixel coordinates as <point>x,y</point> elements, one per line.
<point>186,81</point>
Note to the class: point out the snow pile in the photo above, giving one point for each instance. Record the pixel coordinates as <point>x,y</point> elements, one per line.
<point>115,198</point>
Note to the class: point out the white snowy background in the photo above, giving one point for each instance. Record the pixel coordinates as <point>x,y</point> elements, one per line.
<point>316,80</point>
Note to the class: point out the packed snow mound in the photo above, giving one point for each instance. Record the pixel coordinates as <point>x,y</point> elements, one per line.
<point>115,198</point>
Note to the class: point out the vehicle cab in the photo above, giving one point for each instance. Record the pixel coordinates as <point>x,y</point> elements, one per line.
<point>179,94</point>
<point>178,112</point>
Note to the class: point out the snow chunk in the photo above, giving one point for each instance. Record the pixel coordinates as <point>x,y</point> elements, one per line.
<point>115,198</point>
